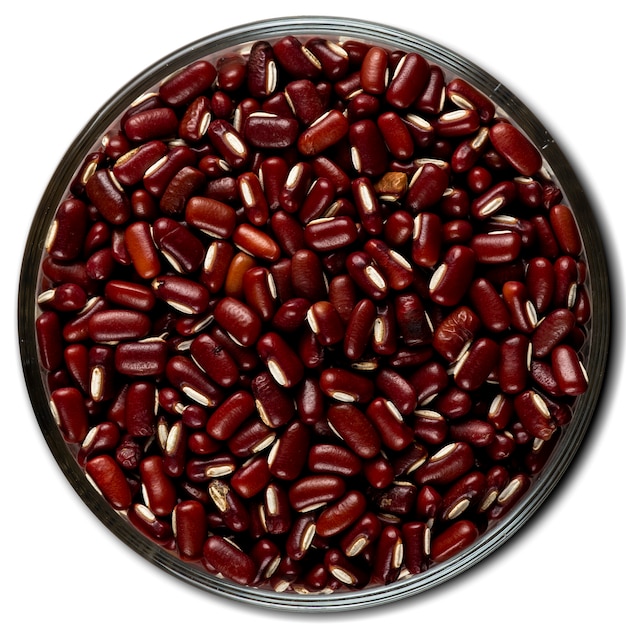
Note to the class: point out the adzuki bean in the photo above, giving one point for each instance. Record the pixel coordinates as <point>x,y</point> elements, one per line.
<point>314,315</point>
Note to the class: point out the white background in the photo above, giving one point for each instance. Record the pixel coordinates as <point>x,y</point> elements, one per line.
<point>60,61</point>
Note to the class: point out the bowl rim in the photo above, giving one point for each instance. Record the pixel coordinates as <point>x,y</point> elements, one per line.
<point>561,170</point>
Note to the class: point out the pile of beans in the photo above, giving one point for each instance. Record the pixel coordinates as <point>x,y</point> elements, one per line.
<point>312,315</point>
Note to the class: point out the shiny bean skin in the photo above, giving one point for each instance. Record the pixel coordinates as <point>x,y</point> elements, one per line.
<point>569,372</point>
<point>221,556</point>
<point>110,481</point>
<point>515,148</point>
<point>408,80</point>
<point>355,429</point>
<point>448,464</point>
<point>70,412</point>
<point>312,316</point>
<point>118,325</point>
<point>453,540</point>
<point>64,240</point>
<point>453,276</point>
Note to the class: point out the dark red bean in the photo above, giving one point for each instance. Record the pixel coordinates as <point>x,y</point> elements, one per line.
<point>285,308</point>
<point>476,364</point>
<point>70,412</point>
<point>67,231</point>
<point>453,540</point>
<point>514,363</point>
<point>344,385</point>
<point>190,528</point>
<point>369,154</point>
<point>569,372</point>
<point>188,83</point>
<point>141,358</point>
<point>426,187</point>
<point>453,276</point>
<point>224,557</point>
<point>110,480</point>
<point>515,148</point>
<point>280,359</point>
<point>180,246</point>
<point>274,405</point>
<point>355,429</point>
<point>324,132</point>
<point>467,96</point>
<point>408,80</point>
<point>447,464</point>
<point>49,339</point>
<point>455,332</point>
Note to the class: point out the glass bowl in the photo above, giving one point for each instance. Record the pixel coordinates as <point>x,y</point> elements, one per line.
<point>592,339</point>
